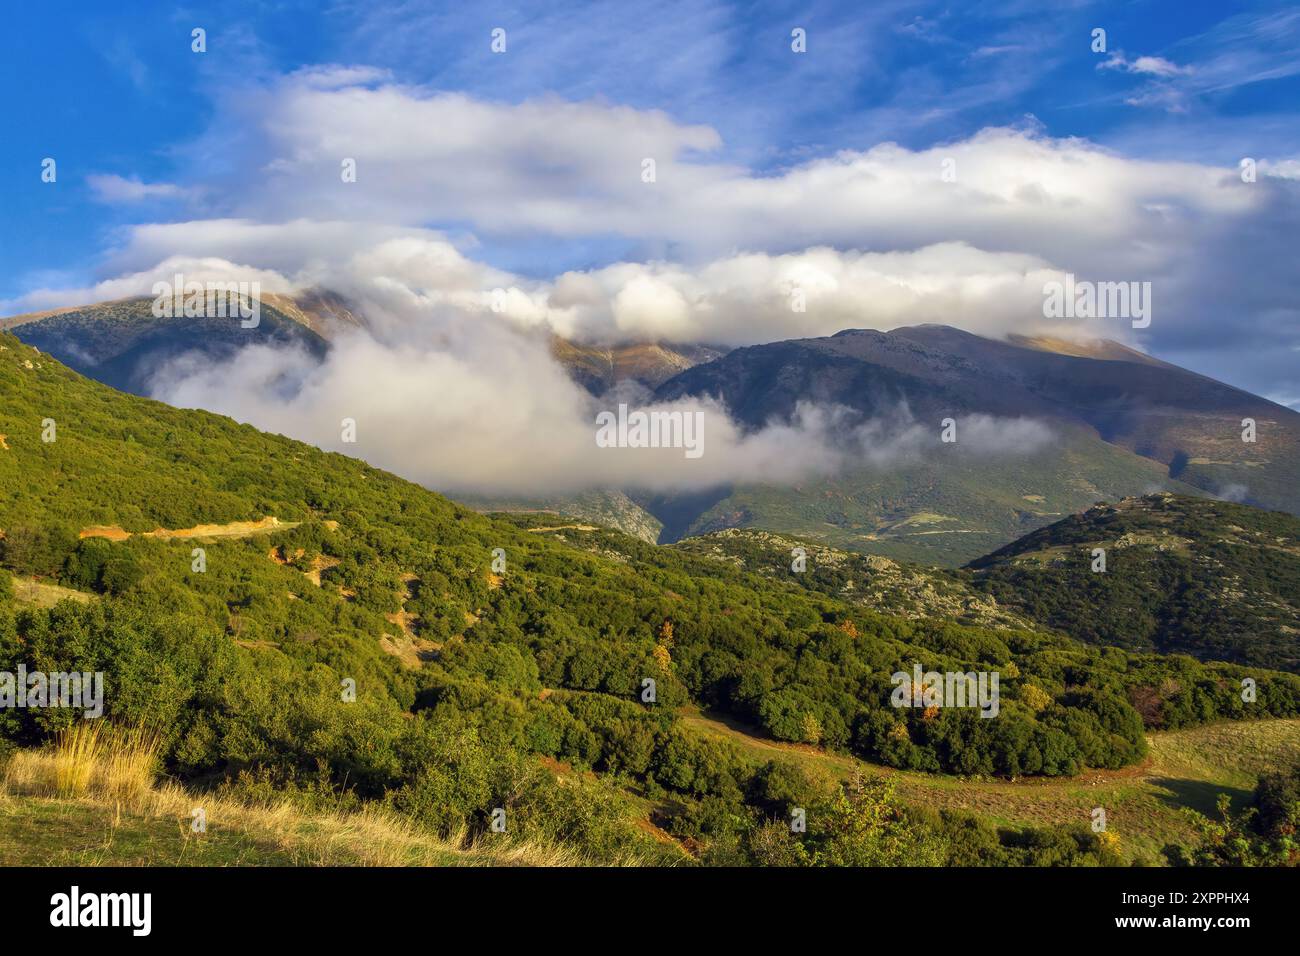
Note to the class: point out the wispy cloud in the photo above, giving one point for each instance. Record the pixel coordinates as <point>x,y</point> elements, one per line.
<point>1239,51</point>
<point>112,188</point>
<point>1148,65</point>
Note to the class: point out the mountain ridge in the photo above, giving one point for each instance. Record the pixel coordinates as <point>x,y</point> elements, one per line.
<point>1123,423</point>
<point>1124,428</point>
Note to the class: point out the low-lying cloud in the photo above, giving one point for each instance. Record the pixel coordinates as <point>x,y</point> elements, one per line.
<point>484,410</point>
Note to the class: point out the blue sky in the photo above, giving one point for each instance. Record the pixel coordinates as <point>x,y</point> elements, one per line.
<point>116,96</point>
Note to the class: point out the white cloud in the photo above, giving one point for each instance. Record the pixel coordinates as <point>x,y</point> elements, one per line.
<point>202,269</point>
<point>409,275</point>
<point>553,168</point>
<point>756,297</point>
<point>111,188</point>
<point>874,237</point>
<point>1147,65</point>
<point>1281,169</point>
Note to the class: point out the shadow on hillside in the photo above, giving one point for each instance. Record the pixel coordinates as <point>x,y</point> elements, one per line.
<point>677,512</point>
<point>1201,795</point>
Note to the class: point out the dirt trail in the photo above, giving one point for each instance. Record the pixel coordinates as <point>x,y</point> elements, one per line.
<point>110,531</point>
<point>235,529</point>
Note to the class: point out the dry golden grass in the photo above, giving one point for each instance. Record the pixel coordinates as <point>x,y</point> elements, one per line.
<point>112,772</point>
<point>87,758</point>
<point>30,590</point>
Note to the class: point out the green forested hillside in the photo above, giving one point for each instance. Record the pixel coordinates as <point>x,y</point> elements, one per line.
<point>940,509</point>
<point>912,591</point>
<point>1216,580</point>
<point>477,688</point>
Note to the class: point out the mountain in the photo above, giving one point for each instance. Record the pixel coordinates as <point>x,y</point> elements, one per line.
<point>599,368</point>
<point>944,511</point>
<point>1124,424</point>
<point>119,341</point>
<point>1187,422</point>
<point>326,313</point>
<point>1216,580</point>
<point>299,626</point>
<point>123,344</point>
